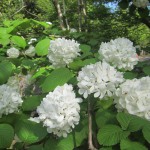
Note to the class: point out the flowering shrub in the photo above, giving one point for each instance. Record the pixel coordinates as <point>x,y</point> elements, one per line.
<point>62,52</point>
<point>120,53</point>
<point>58,94</point>
<point>133,96</point>
<point>59,111</point>
<point>100,79</point>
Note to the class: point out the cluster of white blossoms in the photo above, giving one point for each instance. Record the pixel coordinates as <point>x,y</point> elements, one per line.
<point>141,3</point>
<point>59,111</point>
<point>120,53</point>
<point>30,51</point>
<point>133,96</point>
<point>19,82</point>
<point>13,53</point>
<point>62,52</point>
<point>101,79</point>
<point>10,100</point>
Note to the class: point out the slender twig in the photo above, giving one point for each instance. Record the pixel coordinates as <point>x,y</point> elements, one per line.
<point>90,141</point>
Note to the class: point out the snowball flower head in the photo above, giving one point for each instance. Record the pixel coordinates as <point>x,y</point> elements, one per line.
<point>62,52</point>
<point>10,100</point>
<point>133,97</point>
<point>120,53</point>
<point>19,82</point>
<point>30,51</point>
<point>59,111</point>
<point>141,3</point>
<point>101,79</point>
<point>13,53</point>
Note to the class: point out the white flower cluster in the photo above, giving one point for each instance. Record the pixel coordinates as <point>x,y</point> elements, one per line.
<point>100,79</point>
<point>141,3</point>
<point>13,53</point>
<point>19,82</point>
<point>59,111</point>
<point>120,53</point>
<point>30,51</point>
<point>133,96</point>
<point>63,51</point>
<point>10,100</point>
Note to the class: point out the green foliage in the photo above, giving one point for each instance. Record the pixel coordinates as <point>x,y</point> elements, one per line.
<point>29,132</point>
<point>31,102</point>
<point>42,47</point>
<point>111,135</point>
<point>56,78</point>
<point>128,145</point>
<point>60,144</point>
<point>19,41</point>
<point>5,72</point>
<point>6,135</point>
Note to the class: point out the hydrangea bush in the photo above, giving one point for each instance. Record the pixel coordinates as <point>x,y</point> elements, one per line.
<point>60,94</point>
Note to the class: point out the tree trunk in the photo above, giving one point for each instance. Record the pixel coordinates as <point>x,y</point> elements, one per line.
<point>80,15</point>
<point>83,4</point>
<point>64,15</point>
<point>59,12</point>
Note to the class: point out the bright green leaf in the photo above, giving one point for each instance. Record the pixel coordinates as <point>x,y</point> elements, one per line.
<point>19,41</point>
<point>57,78</point>
<point>29,132</point>
<point>111,135</point>
<point>42,47</point>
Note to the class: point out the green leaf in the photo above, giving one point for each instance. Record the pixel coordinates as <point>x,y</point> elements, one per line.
<point>111,135</point>
<point>146,133</point>
<point>85,48</point>
<point>130,122</point>
<point>60,144</point>
<point>128,145</point>
<point>29,132</point>
<point>4,42</point>
<point>89,61</point>
<point>76,64</point>
<point>124,120</point>
<point>6,69</point>
<point>6,135</point>
<point>104,117</point>
<point>31,102</point>
<point>130,75</point>
<point>27,63</point>
<point>19,41</point>
<point>105,104</point>
<point>57,78</point>
<point>146,70</point>
<point>42,47</point>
